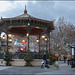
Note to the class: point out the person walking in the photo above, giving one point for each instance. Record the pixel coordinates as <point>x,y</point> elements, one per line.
<point>69,61</point>
<point>44,59</point>
<point>64,59</point>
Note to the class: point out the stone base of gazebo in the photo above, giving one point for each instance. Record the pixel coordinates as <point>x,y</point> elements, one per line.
<point>21,62</point>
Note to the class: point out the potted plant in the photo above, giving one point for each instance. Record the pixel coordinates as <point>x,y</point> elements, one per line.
<point>7,58</point>
<point>28,58</point>
<point>52,58</point>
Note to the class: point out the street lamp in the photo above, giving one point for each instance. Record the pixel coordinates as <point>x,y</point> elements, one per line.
<point>43,36</point>
<point>3,37</point>
<point>23,40</point>
<point>28,35</point>
<point>37,40</point>
<point>28,24</point>
<point>10,40</point>
<point>9,35</point>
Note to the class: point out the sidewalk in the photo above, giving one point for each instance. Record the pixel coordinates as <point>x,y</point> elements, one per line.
<point>61,71</point>
<point>64,69</point>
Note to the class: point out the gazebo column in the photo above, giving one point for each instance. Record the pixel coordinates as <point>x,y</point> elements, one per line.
<point>0,39</point>
<point>46,42</point>
<point>49,35</point>
<point>7,38</point>
<point>39,43</point>
<point>0,34</point>
<point>49,41</point>
<point>7,35</point>
<point>46,47</point>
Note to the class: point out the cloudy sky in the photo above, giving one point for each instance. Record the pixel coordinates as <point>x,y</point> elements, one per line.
<point>48,10</point>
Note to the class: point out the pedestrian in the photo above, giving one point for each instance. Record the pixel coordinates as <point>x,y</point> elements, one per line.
<point>44,59</point>
<point>64,59</point>
<point>59,58</point>
<point>69,61</point>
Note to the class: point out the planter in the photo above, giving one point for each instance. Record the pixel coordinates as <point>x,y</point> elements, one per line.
<point>21,62</point>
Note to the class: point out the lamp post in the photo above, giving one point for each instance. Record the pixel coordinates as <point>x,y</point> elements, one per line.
<point>28,35</point>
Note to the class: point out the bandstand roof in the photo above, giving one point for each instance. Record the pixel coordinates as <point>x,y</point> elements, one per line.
<point>19,24</point>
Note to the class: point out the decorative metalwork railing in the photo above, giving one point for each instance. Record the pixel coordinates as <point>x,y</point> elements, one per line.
<point>20,55</point>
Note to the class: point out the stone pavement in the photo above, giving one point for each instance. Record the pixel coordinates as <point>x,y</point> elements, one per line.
<point>4,67</point>
<point>23,70</point>
<point>35,71</point>
<point>61,71</point>
<point>64,69</point>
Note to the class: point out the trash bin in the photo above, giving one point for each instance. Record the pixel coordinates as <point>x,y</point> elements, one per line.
<point>73,63</point>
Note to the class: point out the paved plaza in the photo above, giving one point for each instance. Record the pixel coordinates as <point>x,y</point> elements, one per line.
<point>64,69</point>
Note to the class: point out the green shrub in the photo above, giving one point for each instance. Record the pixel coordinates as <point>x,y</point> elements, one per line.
<point>7,58</point>
<point>52,58</point>
<point>28,58</point>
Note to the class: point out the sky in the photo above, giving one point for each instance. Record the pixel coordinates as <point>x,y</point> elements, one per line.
<point>48,10</point>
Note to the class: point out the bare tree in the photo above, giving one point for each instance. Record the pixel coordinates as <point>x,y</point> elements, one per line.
<point>63,36</point>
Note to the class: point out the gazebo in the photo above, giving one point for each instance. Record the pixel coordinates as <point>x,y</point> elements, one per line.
<point>25,24</point>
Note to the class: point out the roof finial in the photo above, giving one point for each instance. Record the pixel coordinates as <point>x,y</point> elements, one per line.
<point>25,11</point>
<point>25,7</point>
